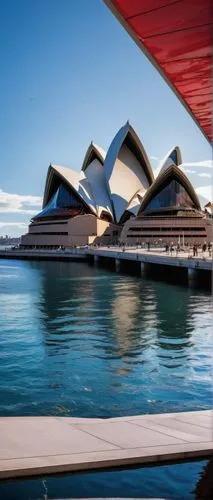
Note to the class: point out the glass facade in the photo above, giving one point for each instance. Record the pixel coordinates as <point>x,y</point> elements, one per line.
<point>172,195</point>
<point>62,203</point>
<point>173,156</point>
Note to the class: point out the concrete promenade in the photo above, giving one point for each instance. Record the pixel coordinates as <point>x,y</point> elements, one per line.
<point>32,446</point>
<point>155,256</point>
<point>44,254</point>
<point>197,271</point>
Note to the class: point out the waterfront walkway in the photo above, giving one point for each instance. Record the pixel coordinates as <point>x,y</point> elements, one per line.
<point>74,254</point>
<point>33,446</point>
<point>196,270</point>
<point>155,256</point>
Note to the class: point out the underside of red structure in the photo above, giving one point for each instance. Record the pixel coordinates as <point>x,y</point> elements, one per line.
<point>176,36</point>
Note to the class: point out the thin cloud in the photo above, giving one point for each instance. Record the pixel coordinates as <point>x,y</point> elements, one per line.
<point>204,163</point>
<point>188,170</point>
<point>20,225</point>
<point>13,229</point>
<point>154,158</point>
<point>17,203</point>
<point>198,174</point>
<point>205,175</point>
<point>205,192</point>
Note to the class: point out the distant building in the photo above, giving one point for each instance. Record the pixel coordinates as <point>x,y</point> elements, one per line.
<point>170,210</point>
<point>90,206</point>
<point>9,240</point>
<point>116,198</point>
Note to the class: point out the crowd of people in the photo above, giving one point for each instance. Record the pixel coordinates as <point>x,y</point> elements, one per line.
<point>196,249</point>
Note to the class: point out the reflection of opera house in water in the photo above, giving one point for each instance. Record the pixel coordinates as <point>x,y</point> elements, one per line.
<point>115,197</point>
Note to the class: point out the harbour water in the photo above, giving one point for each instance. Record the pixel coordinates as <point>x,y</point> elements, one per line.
<point>76,340</point>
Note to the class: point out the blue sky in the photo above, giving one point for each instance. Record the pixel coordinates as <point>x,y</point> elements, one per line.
<point>71,74</point>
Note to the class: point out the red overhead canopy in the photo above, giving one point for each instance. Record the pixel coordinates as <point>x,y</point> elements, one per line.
<point>176,36</point>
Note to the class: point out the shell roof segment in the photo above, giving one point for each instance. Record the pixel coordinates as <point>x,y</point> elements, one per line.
<point>93,152</point>
<point>119,182</point>
<point>95,176</point>
<point>94,172</point>
<point>136,201</point>
<point>173,157</point>
<point>73,180</point>
<point>172,172</point>
<point>67,175</point>
<point>127,169</point>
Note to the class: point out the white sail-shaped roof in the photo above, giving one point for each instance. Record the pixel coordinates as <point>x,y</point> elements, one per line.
<point>69,176</point>
<point>173,157</point>
<point>77,182</point>
<point>96,179</point>
<point>93,151</point>
<point>127,169</point>
<point>135,202</point>
<point>84,190</point>
<point>169,174</point>
<point>94,172</point>
<point>113,185</point>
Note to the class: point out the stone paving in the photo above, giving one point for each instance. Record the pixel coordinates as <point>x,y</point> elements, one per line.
<point>154,256</point>
<point>158,251</point>
<point>46,445</point>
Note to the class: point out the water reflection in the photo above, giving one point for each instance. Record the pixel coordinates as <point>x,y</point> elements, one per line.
<point>175,482</point>
<point>81,341</point>
<point>204,487</point>
<point>136,315</point>
<point>89,342</point>
<point>133,317</point>
<point>126,318</point>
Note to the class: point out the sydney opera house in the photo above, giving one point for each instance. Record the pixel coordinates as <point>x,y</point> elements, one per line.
<point>115,197</point>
